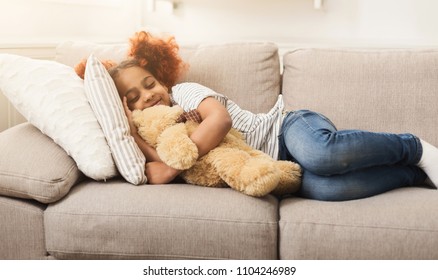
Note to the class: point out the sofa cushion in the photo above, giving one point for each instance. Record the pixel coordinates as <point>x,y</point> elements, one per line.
<point>33,166</point>
<point>400,224</point>
<point>248,73</point>
<point>51,96</point>
<point>21,230</point>
<point>107,106</point>
<point>379,90</point>
<point>72,52</point>
<point>116,220</point>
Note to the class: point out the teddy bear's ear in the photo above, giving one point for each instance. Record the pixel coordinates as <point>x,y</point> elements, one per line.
<point>135,115</point>
<point>176,111</point>
<point>141,118</point>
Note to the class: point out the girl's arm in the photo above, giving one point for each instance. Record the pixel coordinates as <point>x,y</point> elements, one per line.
<point>216,122</point>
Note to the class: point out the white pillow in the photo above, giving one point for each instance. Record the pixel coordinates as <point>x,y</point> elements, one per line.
<point>51,96</point>
<point>108,108</point>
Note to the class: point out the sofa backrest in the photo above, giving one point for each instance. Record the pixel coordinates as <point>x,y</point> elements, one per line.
<point>248,73</point>
<point>392,90</point>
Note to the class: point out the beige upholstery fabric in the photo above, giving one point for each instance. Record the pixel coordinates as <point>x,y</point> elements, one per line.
<point>115,220</point>
<point>248,73</point>
<point>21,230</point>
<point>378,90</point>
<point>400,224</point>
<point>33,166</point>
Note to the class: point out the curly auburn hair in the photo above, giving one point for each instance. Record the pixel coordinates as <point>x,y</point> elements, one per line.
<point>159,56</point>
<point>80,67</point>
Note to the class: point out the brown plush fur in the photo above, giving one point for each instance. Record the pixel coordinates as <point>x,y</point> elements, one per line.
<point>233,163</point>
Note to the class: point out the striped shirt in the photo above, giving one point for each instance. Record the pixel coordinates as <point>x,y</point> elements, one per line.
<point>259,130</point>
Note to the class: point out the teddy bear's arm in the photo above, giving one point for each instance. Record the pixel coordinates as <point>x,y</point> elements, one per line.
<point>176,149</point>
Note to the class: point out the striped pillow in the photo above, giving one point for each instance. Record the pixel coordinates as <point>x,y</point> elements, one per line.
<point>107,106</point>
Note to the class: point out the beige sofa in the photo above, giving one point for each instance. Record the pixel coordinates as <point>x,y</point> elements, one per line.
<point>79,218</point>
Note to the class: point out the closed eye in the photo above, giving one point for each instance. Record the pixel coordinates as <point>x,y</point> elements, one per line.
<point>132,95</point>
<point>151,85</point>
<point>148,82</point>
<point>133,100</point>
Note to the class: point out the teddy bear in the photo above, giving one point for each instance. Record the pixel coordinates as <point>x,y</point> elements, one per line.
<point>233,163</point>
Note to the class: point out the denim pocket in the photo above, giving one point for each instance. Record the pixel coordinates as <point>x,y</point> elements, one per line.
<point>326,119</point>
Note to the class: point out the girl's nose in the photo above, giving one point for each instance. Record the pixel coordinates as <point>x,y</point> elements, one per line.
<point>148,96</point>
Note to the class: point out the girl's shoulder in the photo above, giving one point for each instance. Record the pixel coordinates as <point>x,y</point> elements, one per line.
<point>189,94</point>
<point>190,87</point>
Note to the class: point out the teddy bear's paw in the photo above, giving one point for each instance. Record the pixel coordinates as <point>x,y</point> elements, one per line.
<point>202,173</point>
<point>261,186</point>
<point>290,177</point>
<point>256,178</point>
<point>249,175</point>
<point>197,177</point>
<point>181,156</point>
<point>176,149</point>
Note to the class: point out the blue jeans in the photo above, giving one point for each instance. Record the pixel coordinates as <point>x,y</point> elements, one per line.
<point>348,164</point>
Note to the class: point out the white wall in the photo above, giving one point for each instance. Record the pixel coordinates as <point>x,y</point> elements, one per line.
<point>51,21</point>
<point>403,22</point>
<point>340,22</point>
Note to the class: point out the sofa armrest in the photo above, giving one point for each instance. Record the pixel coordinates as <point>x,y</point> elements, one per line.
<point>32,166</point>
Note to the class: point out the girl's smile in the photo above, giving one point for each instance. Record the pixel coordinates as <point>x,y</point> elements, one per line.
<point>141,89</point>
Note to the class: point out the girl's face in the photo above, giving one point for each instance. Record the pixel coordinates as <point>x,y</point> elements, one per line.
<point>141,89</point>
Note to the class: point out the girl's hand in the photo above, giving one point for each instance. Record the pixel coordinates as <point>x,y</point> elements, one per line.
<point>160,173</point>
<point>128,114</point>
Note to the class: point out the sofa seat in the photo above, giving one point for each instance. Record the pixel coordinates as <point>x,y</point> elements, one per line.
<point>400,224</point>
<point>115,220</point>
<point>22,229</point>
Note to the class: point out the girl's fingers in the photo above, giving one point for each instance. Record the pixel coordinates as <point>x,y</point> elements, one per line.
<point>125,106</point>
